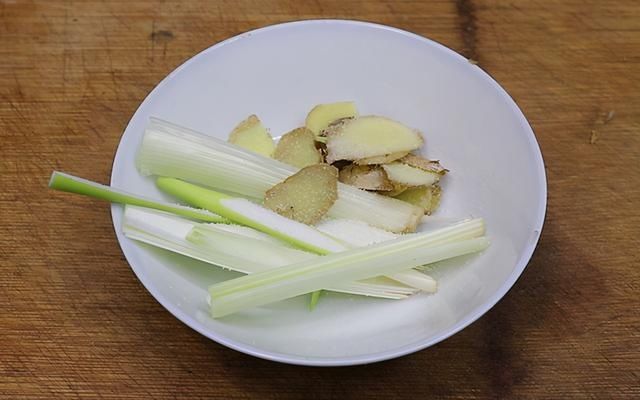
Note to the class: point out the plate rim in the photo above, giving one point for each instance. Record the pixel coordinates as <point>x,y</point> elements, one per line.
<point>406,349</point>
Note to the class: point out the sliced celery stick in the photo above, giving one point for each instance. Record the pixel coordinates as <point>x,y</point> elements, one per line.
<point>308,276</point>
<point>74,184</point>
<point>360,234</point>
<point>234,247</point>
<point>247,213</point>
<point>416,279</point>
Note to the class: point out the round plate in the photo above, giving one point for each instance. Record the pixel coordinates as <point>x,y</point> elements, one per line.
<point>279,73</point>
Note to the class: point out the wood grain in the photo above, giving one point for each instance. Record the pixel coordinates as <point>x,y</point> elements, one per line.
<point>75,322</point>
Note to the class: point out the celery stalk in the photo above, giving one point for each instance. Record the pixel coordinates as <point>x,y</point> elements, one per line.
<point>244,212</point>
<point>416,279</point>
<point>74,184</point>
<point>308,276</point>
<point>234,247</point>
<point>360,234</point>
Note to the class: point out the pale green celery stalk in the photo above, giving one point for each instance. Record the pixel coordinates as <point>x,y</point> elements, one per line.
<point>74,184</point>
<point>203,235</point>
<point>249,232</point>
<point>416,279</point>
<point>244,212</point>
<point>241,250</point>
<point>308,276</point>
<point>174,151</point>
<point>214,239</point>
<point>355,233</point>
<point>361,234</point>
<point>455,233</point>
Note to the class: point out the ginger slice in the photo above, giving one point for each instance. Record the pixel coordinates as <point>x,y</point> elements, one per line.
<point>323,115</point>
<point>305,196</point>
<point>252,135</point>
<point>368,177</point>
<point>369,136</point>
<point>298,148</point>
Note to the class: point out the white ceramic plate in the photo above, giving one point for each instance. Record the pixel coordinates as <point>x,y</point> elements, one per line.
<point>279,73</point>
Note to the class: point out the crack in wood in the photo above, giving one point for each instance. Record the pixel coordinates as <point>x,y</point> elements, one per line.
<point>468,27</point>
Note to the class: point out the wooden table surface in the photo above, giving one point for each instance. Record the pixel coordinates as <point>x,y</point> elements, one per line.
<point>76,323</point>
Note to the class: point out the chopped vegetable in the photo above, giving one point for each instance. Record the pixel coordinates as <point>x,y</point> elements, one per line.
<point>74,184</point>
<point>369,177</point>
<point>410,176</point>
<point>411,278</point>
<point>252,135</point>
<point>298,148</point>
<point>244,212</point>
<point>177,152</point>
<point>423,164</point>
<point>227,246</point>
<point>385,159</point>
<point>263,253</point>
<point>369,136</point>
<point>247,213</point>
<point>374,210</point>
<point>252,233</point>
<point>360,234</point>
<point>308,276</point>
<point>266,255</point>
<point>305,196</point>
<point>355,233</point>
<point>426,197</point>
<point>416,279</point>
<point>322,115</point>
